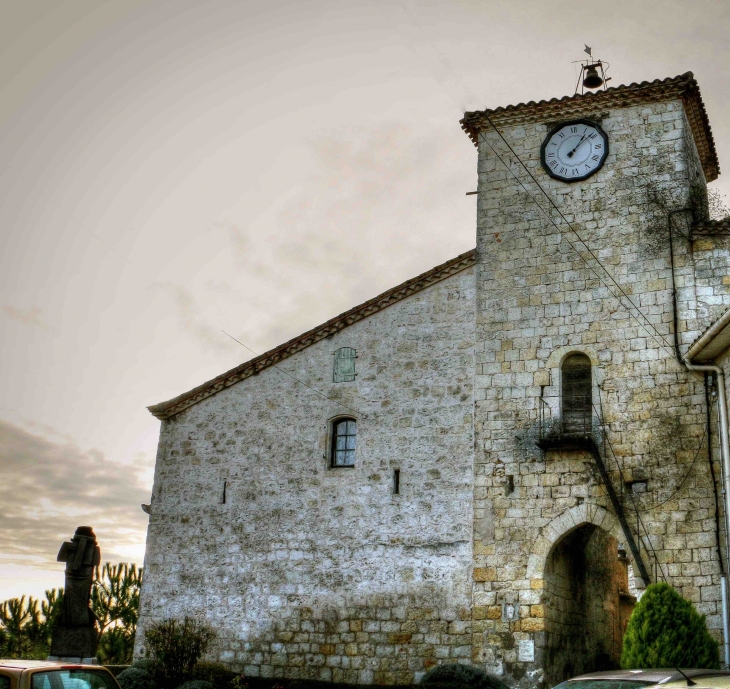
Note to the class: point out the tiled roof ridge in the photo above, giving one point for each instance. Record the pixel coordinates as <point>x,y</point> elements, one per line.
<point>711,226</point>
<point>683,86</point>
<point>165,410</point>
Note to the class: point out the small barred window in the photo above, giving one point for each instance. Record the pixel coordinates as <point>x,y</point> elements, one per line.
<point>345,365</point>
<point>344,437</point>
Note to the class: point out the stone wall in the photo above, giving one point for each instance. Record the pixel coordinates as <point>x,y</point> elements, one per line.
<point>311,571</point>
<point>537,301</point>
<point>711,258</point>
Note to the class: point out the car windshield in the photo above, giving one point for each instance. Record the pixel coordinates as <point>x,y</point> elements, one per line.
<point>602,684</point>
<point>73,679</point>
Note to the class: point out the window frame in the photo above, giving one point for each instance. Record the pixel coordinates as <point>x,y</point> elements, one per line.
<point>586,411</point>
<point>332,449</point>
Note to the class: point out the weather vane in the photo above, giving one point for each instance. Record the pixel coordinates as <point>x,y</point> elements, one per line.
<point>592,73</point>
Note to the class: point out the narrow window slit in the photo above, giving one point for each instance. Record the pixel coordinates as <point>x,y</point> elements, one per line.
<point>396,481</point>
<point>223,497</point>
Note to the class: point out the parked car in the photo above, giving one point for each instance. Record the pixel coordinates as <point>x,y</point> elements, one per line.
<point>636,679</point>
<point>716,680</point>
<point>51,674</point>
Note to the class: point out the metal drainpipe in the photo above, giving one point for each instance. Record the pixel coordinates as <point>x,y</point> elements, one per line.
<point>725,453</point>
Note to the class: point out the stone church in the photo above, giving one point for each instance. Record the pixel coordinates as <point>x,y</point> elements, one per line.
<point>488,463</point>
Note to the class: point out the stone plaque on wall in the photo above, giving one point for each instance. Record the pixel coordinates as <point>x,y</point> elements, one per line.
<point>526,651</point>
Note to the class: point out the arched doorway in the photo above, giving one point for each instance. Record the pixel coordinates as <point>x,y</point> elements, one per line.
<point>587,603</point>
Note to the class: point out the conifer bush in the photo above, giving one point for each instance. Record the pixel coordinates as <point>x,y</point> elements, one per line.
<point>666,631</point>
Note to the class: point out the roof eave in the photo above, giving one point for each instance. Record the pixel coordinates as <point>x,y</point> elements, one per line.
<point>683,87</point>
<point>713,342</point>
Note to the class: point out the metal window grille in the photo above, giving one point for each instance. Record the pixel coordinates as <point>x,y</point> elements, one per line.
<point>576,395</point>
<point>344,371</point>
<point>344,438</point>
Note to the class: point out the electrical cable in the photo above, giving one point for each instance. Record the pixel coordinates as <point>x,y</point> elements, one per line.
<point>572,229</point>
<point>321,394</point>
<point>657,336</point>
<point>684,480</point>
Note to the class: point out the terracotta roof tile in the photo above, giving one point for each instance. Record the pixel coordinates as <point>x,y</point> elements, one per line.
<point>682,87</point>
<point>712,227</point>
<point>165,410</point>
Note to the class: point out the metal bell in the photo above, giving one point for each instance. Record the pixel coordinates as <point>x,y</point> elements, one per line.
<point>592,79</point>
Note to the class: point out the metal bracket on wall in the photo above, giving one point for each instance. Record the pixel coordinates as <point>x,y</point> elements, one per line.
<point>618,509</point>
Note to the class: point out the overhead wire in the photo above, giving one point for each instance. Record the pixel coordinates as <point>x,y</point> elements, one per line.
<point>657,337</point>
<point>632,311</point>
<point>321,394</point>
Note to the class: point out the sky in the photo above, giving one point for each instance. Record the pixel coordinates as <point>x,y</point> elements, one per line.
<point>170,170</point>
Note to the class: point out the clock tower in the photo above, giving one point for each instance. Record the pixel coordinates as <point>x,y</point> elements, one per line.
<point>587,297</point>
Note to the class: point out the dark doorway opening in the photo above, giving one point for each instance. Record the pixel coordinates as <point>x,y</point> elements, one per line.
<point>587,604</point>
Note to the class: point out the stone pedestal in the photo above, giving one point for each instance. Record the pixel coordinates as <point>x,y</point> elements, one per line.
<point>74,642</point>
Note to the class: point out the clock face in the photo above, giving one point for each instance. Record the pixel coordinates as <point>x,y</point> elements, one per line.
<point>574,150</point>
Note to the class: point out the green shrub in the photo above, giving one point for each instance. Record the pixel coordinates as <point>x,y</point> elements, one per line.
<point>196,684</point>
<point>175,647</point>
<point>666,631</point>
<point>136,678</point>
<point>215,673</point>
<point>457,675</point>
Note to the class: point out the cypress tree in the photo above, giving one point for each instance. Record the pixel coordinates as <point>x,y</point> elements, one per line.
<point>666,631</point>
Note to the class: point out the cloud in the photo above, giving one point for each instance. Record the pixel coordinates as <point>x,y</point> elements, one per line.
<point>379,205</point>
<point>49,488</point>
<point>29,316</point>
<point>194,322</point>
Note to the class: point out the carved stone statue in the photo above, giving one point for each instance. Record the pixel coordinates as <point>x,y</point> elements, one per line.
<point>75,634</point>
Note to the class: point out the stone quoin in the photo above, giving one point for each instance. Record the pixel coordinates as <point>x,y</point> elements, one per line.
<point>513,448</point>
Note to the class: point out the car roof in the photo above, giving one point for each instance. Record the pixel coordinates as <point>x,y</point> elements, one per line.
<point>711,679</point>
<point>655,676</point>
<point>13,664</point>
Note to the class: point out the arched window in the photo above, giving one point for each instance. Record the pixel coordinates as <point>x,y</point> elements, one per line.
<point>344,438</point>
<point>576,395</point>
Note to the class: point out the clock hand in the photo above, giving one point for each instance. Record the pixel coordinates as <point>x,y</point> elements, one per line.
<point>570,153</point>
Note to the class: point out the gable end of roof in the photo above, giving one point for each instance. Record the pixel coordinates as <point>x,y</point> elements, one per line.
<point>166,410</point>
